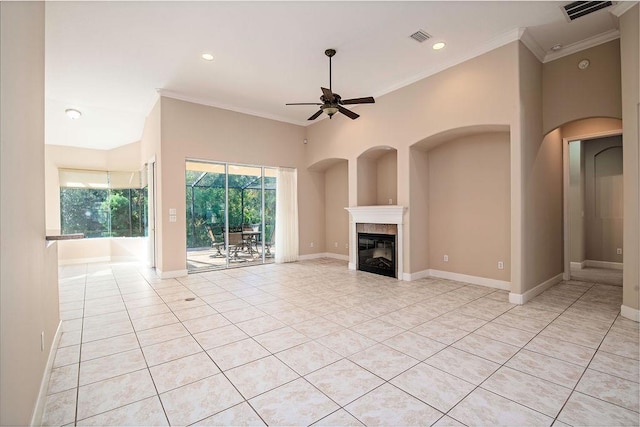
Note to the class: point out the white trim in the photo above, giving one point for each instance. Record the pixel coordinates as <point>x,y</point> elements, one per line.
<point>117,258</point>
<point>532,293</point>
<point>38,411</point>
<point>172,274</point>
<point>527,39</point>
<point>474,280</point>
<point>73,261</point>
<point>583,45</point>
<point>378,214</point>
<point>578,265</point>
<point>323,255</point>
<point>622,7</point>
<point>630,313</point>
<point>415,276</point>
<point>201,101</point>
<point>603,264</point>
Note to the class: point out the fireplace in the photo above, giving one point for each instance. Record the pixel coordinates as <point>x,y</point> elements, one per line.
<point>377,253</point>
<point>381,219</point>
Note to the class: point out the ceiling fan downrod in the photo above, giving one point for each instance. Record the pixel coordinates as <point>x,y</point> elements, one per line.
<point>330,53</point>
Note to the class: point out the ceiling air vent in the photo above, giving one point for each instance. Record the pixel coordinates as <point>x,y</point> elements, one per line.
<point>420,36</point>
<point>581,8</point>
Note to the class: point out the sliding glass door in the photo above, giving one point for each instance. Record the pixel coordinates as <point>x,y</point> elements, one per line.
<point>230,214</point>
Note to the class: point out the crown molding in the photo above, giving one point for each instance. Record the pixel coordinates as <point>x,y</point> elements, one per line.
<point>181,97</point>
<point>493,44</point>
<point>622,7</point>
<point>583,45</point>
<point>527,39</point>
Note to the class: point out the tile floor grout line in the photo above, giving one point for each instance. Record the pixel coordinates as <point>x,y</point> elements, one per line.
<point>84,291</point>
<point>404,330</point>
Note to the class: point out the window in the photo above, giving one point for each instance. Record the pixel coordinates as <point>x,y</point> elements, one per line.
<point>103,204</point>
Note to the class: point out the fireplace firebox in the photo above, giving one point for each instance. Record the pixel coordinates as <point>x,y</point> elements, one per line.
<point>377,253</point>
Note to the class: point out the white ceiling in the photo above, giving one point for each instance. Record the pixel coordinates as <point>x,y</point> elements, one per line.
<point>109,59</point>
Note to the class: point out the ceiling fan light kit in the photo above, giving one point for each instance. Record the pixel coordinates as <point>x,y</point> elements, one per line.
<point>332,103</point>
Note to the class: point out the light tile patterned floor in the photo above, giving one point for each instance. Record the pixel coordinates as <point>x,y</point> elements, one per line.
<point>314,343</point>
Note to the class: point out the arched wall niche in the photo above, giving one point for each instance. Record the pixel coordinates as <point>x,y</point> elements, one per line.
<point>377,178</point>
<point>335,173</point>
<point>452,134</point>
<point>460,205</point>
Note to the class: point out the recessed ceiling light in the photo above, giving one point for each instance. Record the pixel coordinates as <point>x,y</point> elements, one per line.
<point>438,46</point>
<point>207,57</point>
<point>556,47</point>
<point>72,113</point>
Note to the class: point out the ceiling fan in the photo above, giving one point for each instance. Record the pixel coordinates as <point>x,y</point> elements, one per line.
<point>332,102</point>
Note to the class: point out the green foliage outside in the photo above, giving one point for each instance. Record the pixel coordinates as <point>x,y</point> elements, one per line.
<point>103,212</point>
<point>206,204</point>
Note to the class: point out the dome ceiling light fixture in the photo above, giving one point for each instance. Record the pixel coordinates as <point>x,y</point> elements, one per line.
<point>72,113</point>
<point>207,56</point>
<point>438,46</point>
<point>584,64</point>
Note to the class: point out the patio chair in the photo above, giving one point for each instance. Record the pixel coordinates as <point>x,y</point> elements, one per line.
<point>217,242</point>
<point>236,243</point>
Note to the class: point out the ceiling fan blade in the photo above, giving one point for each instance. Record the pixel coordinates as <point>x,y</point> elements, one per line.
<point>348,113</point>
<point>304,103</point>
<point>315,116</point>
<point>367,100</point>
<point>328,95</point>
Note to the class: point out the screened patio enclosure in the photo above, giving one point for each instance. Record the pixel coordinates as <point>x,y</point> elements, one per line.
<point>230,214</point>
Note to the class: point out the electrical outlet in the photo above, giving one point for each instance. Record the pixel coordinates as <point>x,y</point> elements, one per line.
<point>500,265</point>
<point>619,251</point>
<point>346,246</point>
<point>335,244</point>
<point>311,244</point>
<point>445,258</point>
<point>42,341</point>
<point>390,201</point>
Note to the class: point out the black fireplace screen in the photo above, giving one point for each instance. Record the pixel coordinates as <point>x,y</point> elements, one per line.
<point>377,253</point>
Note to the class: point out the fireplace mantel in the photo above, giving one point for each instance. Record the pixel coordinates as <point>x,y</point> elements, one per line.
<point>381,214</point>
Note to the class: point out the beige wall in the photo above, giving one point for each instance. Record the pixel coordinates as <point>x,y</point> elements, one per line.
<point>469,206</point>
<point>387,179</point>
<point>419,204</point>
<point>540,187</point>
<point>570,93</point>
<point>603,198</point>
<point>28,268</point>
<point>576,202</point>
<point>200,132</point>
<point>367,181</point>
<point>443,102</point>
<point>336,199</point>
<point>630,48</point>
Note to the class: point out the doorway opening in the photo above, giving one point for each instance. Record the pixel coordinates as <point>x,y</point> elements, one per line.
<point>594,209</point>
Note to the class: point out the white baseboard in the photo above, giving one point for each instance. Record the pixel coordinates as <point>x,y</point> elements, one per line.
<point>73,261</point>
<point>577,265</point>
<point>532,293</point>
<point>630,313</point>
<point>38,411</point>
<point>603,264</point>
<point>336,256</point>
<point>323,255</point>
<point>118,258</point>
<point>474,280</point>
<point>352,266</point>
<point>172,274</point>
<point>415,276</point>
